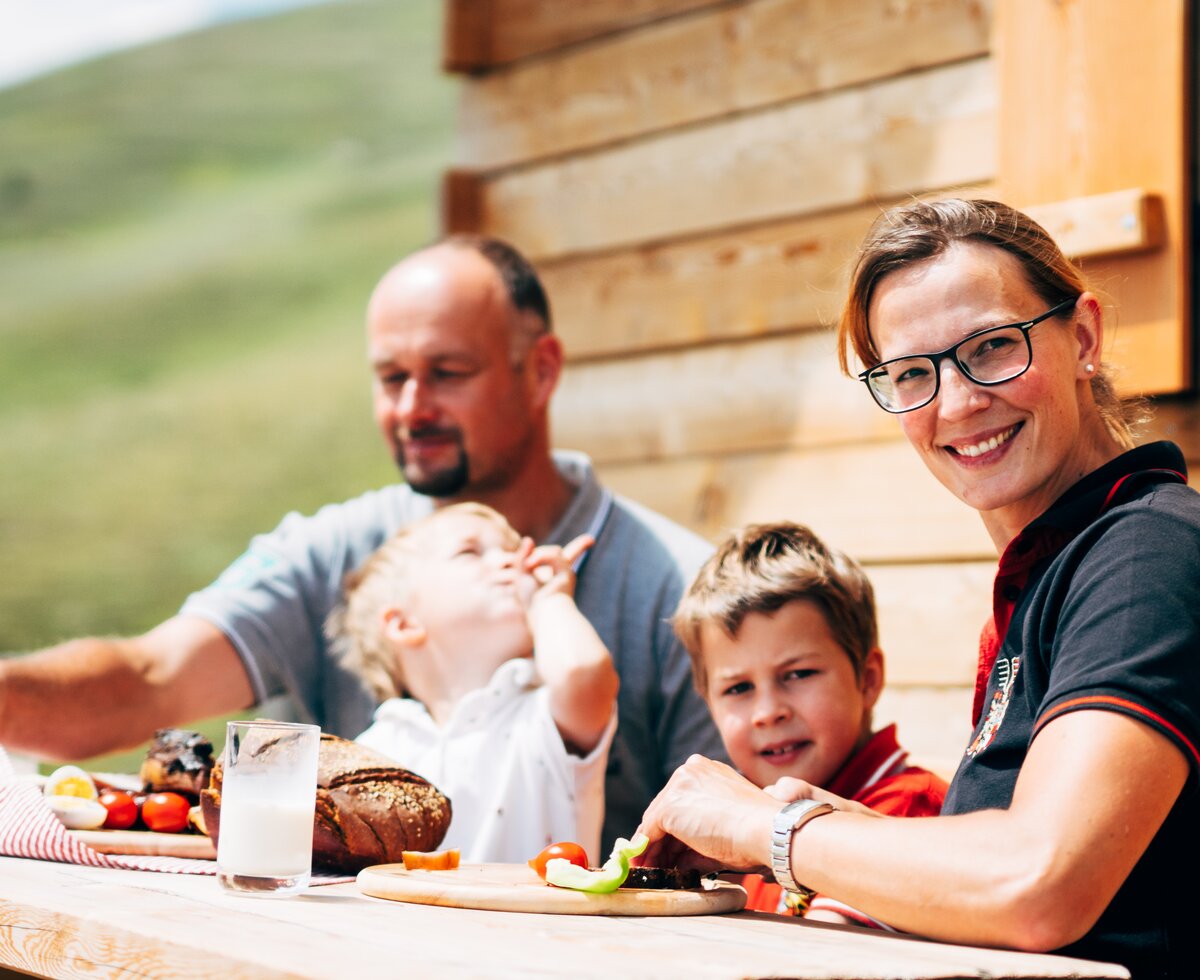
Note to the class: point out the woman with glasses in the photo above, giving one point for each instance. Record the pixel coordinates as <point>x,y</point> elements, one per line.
<point>1072,820</point>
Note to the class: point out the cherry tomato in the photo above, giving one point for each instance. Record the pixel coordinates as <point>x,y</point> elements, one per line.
<point>122,811</point>
<point>566,850</point>
<point>166,813</point>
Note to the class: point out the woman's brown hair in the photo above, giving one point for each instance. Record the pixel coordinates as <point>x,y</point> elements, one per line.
<point>924,229</point>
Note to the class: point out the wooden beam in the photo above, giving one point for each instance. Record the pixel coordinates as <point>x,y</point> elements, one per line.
<point>467,30</point>
<point>1075,81</point>
<point>481,34</point>
<point>914,134</point>
<point>461,203</point>
<point>687,69</point>
<point>1119,223</point>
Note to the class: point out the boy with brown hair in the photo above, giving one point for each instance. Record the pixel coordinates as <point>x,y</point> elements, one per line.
<point>498,690</point>
<point>784,644</point>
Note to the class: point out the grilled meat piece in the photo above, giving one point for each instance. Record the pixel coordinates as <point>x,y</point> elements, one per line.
<point>179,761</point>
<point>662,878</point>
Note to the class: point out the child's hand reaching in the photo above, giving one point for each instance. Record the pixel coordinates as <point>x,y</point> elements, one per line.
<point>570,657</point>
<point>549,569</point>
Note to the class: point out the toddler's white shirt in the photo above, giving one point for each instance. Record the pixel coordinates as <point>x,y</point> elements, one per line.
<point>513,786</point>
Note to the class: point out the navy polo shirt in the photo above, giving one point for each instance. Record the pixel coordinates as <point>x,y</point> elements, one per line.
<point>1097,607</point>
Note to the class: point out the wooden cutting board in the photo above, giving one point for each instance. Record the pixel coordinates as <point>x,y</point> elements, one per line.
<point>147,842</point>
<point>517,888</point>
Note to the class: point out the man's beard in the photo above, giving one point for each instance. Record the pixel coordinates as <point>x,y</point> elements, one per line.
<point>445,482</point>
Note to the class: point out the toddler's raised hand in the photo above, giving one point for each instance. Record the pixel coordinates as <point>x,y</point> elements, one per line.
<point>551,567</point>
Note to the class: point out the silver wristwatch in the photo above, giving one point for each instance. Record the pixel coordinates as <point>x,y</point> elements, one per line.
<point>787,821</point>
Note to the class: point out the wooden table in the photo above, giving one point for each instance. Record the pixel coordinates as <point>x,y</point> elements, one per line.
<point>66,921</point>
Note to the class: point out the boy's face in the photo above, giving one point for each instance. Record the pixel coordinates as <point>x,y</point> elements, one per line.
<point>465,591</point>
<point>784,695</point>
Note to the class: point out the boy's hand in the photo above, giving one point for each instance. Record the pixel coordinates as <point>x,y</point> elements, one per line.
<point>789,789</point>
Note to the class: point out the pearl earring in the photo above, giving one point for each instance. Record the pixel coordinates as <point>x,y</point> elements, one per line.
<point>1090,368</point>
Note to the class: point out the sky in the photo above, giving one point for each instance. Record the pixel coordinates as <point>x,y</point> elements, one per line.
<point>37,36</point>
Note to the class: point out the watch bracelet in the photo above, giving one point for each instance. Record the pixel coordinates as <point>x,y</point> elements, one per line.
<point>781,846</point>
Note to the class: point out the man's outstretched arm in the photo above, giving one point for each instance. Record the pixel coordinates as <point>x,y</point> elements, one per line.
<point>90,696</point>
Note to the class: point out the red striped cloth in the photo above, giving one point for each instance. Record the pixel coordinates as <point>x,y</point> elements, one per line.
<point>29,829</point>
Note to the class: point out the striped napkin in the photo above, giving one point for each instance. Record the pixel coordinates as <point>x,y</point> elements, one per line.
<point>30,829</point>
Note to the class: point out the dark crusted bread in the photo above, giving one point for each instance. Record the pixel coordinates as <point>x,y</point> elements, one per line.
<point>369,810</point>
<point>662,878</point>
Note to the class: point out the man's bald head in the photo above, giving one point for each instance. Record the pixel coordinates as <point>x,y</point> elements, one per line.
<point>518,281</point>
<point>464,364</point>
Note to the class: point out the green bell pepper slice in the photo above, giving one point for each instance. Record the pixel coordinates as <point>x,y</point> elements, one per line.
<point>609,878</point>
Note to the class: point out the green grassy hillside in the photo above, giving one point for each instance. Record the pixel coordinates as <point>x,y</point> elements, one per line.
<point>188,234</point>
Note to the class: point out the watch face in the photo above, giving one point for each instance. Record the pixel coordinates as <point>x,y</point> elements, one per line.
<point>795,810</point>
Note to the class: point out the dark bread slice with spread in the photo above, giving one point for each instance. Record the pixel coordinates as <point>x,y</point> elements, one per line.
<point>369,810</point>
<point>662,878</point>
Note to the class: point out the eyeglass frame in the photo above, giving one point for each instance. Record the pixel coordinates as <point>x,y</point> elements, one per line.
<point>951,353</point>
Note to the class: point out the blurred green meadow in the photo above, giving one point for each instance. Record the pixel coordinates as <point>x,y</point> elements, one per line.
<point>188,235</point>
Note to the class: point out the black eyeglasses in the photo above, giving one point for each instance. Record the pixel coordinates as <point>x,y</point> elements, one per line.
<point>987,357</point>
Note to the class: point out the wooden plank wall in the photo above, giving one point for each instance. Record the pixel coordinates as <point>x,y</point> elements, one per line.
<point>692,178</point>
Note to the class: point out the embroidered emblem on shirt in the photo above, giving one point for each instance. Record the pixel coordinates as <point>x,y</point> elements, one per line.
<point>1006,676</point>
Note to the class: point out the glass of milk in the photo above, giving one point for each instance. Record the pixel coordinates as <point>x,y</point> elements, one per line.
<point>268,797</point>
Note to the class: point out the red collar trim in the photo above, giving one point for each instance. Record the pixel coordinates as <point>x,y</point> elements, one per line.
<point>863,768</point>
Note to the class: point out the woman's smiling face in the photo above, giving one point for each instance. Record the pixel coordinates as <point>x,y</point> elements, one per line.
<point>1010,450</point>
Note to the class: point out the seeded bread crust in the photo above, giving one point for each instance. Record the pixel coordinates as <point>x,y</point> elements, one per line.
<point>369,810</point>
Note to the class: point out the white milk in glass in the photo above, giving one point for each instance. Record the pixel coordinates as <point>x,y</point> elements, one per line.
<point>244,849</point>
<point>268,796</point>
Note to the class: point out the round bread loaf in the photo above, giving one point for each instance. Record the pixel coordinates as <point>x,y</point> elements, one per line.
<point>369,810</point>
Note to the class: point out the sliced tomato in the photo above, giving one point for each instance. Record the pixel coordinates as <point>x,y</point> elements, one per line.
<point>122,811</point>
<point>166,813</point>
<point>567,850</point>
<point>430,860</point>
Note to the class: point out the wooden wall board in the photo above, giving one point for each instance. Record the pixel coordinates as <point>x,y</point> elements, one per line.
<point>688,69</point>
<point>1098,73</point>
<point>929,620</point>
<point>778,276</point>
<point>749,282</point>
<point>875,500</point>
<point>933,723</point>
<point>1177,419</point>
<point>930,130</point>
<point>478,34</point>
<point>721,398</point>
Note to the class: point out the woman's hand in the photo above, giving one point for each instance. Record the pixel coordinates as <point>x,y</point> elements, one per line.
<point>709,817</point>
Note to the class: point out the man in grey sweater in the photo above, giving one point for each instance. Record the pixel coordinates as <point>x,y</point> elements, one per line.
<point>464,364</point>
